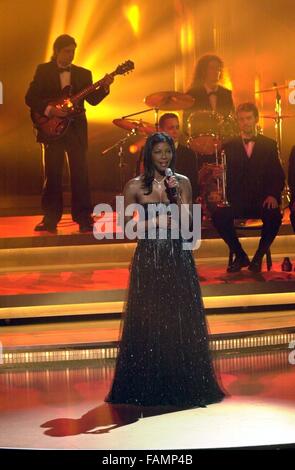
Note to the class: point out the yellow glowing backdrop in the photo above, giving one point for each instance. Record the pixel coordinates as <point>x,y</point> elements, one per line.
<point>164,39</point>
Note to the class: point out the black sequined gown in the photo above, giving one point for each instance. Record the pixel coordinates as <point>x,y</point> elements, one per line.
<point>163,355</point>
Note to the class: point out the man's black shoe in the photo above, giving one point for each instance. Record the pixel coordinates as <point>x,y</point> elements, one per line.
<point>255,265</point>
<point>86,226</point>
<point>239,263</point>
<point>45,227</point>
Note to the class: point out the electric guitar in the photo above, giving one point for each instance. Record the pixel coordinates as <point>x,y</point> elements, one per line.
<point>54,127</point>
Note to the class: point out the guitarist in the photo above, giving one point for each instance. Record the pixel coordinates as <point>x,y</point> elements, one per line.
<point>47,85</point>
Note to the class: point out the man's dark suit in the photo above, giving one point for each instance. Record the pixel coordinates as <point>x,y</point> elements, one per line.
<point>186,164</point>
<point>44,88</point>
<point>249,182</point>
<point>224,100</point>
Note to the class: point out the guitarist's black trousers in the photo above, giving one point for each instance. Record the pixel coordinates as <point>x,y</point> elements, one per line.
<point>75,145</point>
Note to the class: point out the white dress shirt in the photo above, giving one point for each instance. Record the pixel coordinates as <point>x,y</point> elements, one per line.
<point>212,98</point>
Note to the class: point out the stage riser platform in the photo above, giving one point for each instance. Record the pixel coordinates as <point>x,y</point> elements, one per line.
<point>105,253</point>
<point>101,288</point>
<point>213,302</point>
<point>223,344</point>
<point>95,339</point>
<point>90,282</point>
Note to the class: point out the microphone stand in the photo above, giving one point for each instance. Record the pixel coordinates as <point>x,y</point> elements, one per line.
<point>122,163</point>
<point>278,128</point>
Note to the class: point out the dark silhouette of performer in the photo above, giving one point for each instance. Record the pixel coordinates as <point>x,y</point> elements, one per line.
<point>255,180</point>
<point>49,80</point>
<point>186,160</point>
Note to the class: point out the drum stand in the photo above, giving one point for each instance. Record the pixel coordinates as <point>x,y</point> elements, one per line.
<point>119,145</point>
<point>121,156</point>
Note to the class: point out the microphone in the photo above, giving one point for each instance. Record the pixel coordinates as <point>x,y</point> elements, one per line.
<point>169,173</point>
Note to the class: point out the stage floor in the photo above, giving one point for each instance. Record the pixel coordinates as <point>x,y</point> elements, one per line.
<point>64,409</point>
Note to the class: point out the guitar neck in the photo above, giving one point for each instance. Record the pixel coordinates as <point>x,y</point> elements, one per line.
<point>88,90</point>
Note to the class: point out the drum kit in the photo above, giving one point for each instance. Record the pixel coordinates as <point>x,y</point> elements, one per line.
<point>205,128</point>
<point>207,131</point>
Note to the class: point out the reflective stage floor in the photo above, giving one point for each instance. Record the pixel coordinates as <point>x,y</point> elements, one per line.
<point>62,408</point>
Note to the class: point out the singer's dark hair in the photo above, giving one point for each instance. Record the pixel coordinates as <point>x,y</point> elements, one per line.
<point>149,169</point>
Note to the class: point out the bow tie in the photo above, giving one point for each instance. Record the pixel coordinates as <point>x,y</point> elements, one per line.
<point>64,69</point>
<point>246,141</point>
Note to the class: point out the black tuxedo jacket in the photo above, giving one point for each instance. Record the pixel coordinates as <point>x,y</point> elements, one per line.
<point>186,164</point>
<point>46,87</point>
<point>224,102</point>
<point>251,180</point>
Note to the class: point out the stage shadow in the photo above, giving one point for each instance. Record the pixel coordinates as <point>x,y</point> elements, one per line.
<point>106,416</point>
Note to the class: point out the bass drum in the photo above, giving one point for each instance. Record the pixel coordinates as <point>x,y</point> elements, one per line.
<point>229,128</point>
<point>204,131</point>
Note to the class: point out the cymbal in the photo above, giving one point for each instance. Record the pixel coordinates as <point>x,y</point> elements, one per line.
<point>129,124</point>
<point>283,116</point>
<point>169,100</point>
<point>273,88</point>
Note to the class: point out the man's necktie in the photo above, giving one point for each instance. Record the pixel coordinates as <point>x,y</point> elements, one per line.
<point>64,69</point>
<point>246,141</point>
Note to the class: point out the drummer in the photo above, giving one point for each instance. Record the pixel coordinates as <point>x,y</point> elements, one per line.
<point>205,88</point>
<point>209,97</point>
<point>186,161</point>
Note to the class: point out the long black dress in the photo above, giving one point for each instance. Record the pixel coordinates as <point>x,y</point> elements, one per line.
<point>163,355</point>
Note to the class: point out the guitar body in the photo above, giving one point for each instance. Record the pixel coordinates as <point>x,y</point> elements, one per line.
<point>54,127</point>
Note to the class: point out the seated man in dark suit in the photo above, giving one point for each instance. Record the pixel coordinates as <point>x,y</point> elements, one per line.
<point>291,183</point>
<point>47,85</point>
<point>255,180</point>
<point>186,160</point>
